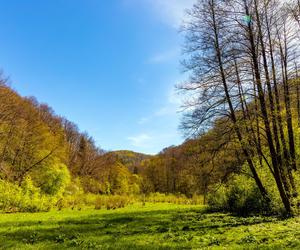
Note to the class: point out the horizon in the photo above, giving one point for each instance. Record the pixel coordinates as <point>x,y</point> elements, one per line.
<point>114,78</point>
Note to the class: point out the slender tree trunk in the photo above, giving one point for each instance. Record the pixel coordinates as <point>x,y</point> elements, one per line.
<point>287,101</point>
<point>286,154</point>
<point>232,112</point>
<point>298,96</point>
<point>261,97</point>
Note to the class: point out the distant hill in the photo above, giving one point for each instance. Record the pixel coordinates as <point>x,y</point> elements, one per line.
<point>132,160</point>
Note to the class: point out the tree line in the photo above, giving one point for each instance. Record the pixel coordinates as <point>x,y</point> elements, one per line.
<point>47,152</point>
<point>36,143</point>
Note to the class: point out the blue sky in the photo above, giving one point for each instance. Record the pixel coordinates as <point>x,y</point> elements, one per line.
<point>108,66</point>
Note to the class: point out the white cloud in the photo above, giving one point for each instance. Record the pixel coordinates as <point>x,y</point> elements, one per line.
<point>160,128</point>
<point>170,108</point>
<point>172,105</point>
<point>144,120</point>
<point>171,12</point>
<point>150,144</point>
<point>164,56</point>
<point>139,140</point>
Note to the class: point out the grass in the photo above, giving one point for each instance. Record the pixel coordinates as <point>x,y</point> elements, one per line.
<point>154,226</point>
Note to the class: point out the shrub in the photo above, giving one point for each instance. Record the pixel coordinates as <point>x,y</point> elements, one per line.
<point>76,201</point>
<point>24,198</point>
<point>113,201</point>
<point>91,185</point>
<point>239,196</point>
<point>53,180</point>
<point>217,200</point>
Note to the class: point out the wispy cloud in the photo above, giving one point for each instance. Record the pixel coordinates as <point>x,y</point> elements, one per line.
<point>144,120</point>
<point>160,128</point>
<point>170,108</point>
<point>164,56</point>
<point>150,143</point>
<point>139,140</point>
<point>171,12</point>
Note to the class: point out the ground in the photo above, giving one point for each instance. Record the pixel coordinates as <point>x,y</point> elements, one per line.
<point>154,226</point>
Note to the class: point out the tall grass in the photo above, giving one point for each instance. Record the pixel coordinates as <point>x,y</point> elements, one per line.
<point>119,201</point>
<point>28,198</point>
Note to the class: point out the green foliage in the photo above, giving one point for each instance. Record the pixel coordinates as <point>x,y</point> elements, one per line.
<point>24,198</point>
<point>241,196</point>
<point>113,202</point>
<point>120,181</point>
<point>91,185</point>
<point>53,180</point>
<point>217,200</point>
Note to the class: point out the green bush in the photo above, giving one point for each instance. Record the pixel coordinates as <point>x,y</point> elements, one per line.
<point>53,180</point>
<point>90,185</point>
<point>239,196</point>
<point>113,201</point>
<point>76,201</point>
<point>24,198</point>
<point>217,200</point>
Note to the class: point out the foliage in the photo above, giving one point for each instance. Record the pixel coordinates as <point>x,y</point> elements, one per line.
<point>24,198</point>
<point>113,202</point>
<point>53,180</point>
<point>240,196</point>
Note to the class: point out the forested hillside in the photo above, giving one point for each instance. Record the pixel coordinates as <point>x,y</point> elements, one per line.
<point>50,153</point>
<point>45,156</point>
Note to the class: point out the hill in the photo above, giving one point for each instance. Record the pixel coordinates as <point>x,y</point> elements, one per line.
<point>132,160</point>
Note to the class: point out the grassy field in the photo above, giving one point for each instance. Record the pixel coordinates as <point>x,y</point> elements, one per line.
<point>154,226</point>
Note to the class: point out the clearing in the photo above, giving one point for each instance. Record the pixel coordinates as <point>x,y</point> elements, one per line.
<point>154,226</point>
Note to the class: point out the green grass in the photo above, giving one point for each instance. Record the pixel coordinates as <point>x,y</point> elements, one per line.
<point>154,226</point>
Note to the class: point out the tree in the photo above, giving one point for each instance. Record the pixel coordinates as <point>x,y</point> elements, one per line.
<point>232,56</point>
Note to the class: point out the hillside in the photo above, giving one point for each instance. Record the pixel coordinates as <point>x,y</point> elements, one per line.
<point>132,160</point>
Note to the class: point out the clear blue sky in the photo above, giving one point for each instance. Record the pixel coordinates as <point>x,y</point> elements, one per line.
<point>109,66</point>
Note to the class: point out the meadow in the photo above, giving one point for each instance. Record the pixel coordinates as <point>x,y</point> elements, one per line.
<point>146,226</point>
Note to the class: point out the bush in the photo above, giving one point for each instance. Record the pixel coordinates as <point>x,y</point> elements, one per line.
<point>113,202</point>
<point>239,196</point>
<point>76,201</point>
<point>91,185</point>
<point>53,180</point>
<point>217,200</point>
<point>24,198</point>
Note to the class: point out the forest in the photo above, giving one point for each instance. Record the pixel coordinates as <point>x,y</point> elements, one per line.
<point>237,172</point>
